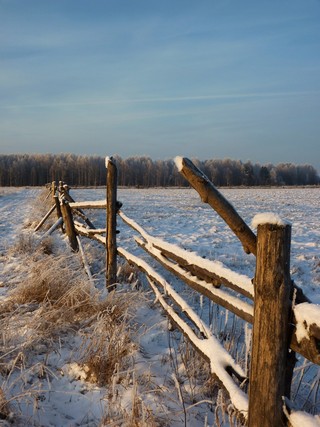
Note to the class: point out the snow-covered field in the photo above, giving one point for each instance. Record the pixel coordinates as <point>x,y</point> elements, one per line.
<point>178,216</point>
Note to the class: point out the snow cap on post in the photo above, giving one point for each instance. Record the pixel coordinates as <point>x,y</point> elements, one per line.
<point>108,160</point>
<point>268,218</point>
<point>179,162</point>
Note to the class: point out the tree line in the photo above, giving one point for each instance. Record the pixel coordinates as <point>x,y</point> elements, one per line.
<point>142,171</point>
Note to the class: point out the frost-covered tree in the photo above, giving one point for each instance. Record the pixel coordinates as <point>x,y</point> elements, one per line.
<point>39,169</point>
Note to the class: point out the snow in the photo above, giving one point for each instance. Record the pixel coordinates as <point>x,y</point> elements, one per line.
<point>96,204</point>
<point>303,419</point>
<point>107,160</point>
<point>178,221</point>
<point>268,218</point>
<point>216,267</point>
<point>178,160</point>
<point>233,301</point>
<point>306,315</point>
<point>219,358</point>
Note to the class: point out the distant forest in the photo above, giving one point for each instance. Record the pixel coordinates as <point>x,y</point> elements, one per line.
<point>141,171</point>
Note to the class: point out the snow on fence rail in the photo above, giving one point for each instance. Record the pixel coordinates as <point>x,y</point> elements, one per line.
<point>280,328</point>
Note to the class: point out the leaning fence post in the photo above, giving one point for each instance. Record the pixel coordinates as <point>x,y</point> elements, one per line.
<point>111,224</point>
<point>270,340</point>
<point>44,219</point>
<point>57,203</point>
<point>69,224</point>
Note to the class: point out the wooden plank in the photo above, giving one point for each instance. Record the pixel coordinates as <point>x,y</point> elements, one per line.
<point>308,348</point>
<point>209,194</point>
<point>57,224</point>
<point>84,232</point>
<point>96,231</point>
<point>44,219</point>
<point>270,339</point>
<point>99,204</point>
<point>181,257</point>
<point>223,368</point>
<point>220,297</point>
<point>85,262</point>
<point>204,274</point>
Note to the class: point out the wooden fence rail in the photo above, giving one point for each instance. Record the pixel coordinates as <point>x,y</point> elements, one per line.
<point>278,331</point>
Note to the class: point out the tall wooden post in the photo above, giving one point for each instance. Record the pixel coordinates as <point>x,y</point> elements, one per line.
<point>69,225</point>
<point>270,338</point>
<point>57,203</point>
<point>58,208</point>
<point>111,224</point>
<point>53,188</point>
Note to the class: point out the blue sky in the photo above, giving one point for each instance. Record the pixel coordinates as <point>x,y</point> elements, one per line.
<point>205,79</point>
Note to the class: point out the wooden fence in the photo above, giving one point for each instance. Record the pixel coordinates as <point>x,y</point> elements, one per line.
<point>278,333</point>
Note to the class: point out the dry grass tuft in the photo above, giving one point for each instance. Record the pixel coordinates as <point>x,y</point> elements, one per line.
<point>128,273</point>
<point>25,244</point>
<point>106,345</point>
<point>55,302</point>
<point>47,245</point>
<point>40,207</point>
<point>28,244</point>
<point>105,349</point>
<point>56,297</point>
<point>135,413</point>
<point>4,406</point>
<point>51,280</point>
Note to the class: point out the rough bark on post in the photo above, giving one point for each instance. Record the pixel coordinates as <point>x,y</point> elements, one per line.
<point>60,188</point>
<point>53,188</point>
<point>209,194</point>
<point>57,203</point>
<point>111,224</point>
<point>270,341</point>
<point>58,209</point>
<point>69,225</point>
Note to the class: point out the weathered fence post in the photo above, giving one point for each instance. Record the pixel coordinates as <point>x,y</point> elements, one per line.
<point>270,326</point>
<point>57,203</point>
<point>53,188</point>
<point>69,225</point>
<point>111,224</point>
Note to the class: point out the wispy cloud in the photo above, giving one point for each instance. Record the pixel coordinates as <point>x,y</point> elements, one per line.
<point>173,99</point>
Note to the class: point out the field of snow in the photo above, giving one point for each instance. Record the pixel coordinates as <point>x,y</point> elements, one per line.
<point>177,216</point>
